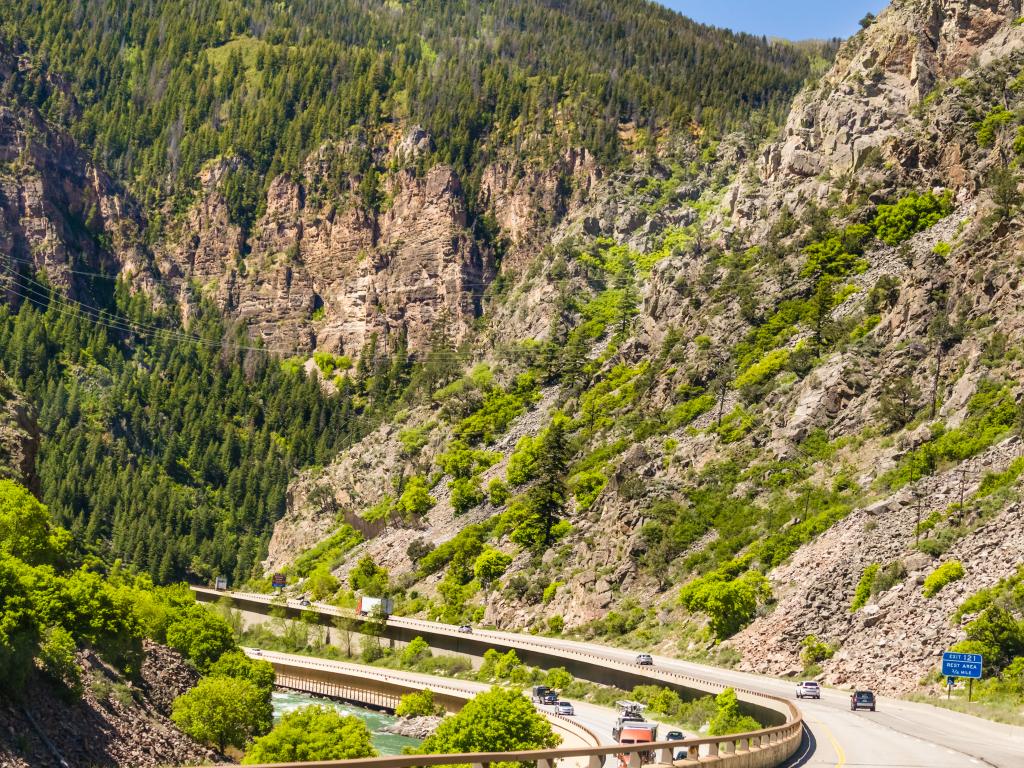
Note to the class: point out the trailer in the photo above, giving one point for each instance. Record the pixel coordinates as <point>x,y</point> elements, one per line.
<point>376,606</point>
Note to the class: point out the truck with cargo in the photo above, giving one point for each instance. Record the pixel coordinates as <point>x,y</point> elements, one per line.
<point>375,606</point>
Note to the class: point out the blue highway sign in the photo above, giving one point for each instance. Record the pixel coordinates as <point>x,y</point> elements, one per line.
<point>961,665</point>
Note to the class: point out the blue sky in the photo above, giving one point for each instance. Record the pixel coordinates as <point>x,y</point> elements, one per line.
<point>792,19</point>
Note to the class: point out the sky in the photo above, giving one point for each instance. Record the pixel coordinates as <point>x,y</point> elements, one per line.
<point>791,19</point>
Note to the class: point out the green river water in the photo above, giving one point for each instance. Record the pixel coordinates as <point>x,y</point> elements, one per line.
<point>386,743</point>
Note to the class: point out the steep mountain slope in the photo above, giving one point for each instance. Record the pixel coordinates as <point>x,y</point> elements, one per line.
<point>258,176</point>
<point>777,369</point>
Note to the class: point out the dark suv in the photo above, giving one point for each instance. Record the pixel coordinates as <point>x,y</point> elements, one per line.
<point>862,700</point>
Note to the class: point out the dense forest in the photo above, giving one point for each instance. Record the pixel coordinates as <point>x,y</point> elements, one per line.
<point>174,449</point>
<point>158,88</point>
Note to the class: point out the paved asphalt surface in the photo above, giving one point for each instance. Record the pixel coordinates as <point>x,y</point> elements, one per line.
<point>899,734</point>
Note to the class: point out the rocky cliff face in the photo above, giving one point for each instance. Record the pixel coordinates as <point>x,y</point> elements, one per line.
<point>330,274</point>
<point>59,213</point>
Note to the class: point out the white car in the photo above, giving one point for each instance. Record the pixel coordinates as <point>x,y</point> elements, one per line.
<point>644,660</point>
<point>564,708</point>
<point>808,689</point>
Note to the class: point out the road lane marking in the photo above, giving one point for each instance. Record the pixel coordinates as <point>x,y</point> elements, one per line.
<point>840,755</point>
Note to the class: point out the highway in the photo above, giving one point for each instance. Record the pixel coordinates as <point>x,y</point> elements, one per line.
<point>899,734</point>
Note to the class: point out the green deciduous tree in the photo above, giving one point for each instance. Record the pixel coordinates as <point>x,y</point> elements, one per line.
<point>312,733</point>
<point>728,718</point>
<point>321,583</point>
<point>500,720</point>
<point>415,500</point>
<point>369,578</point>
<point>490,565</point>
<point>223,712</point>
<point>200,635</point>
<point>237,665</point>
<point>730,604</point>
<point>416,650</point>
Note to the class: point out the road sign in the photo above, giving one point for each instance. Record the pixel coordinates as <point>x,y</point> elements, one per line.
<point>962,665</point>
<point>278,580</point>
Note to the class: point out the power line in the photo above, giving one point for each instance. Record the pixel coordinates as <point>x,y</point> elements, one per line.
<point>64,305</point>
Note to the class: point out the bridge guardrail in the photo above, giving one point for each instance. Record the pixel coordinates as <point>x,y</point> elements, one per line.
<point>765,748</point>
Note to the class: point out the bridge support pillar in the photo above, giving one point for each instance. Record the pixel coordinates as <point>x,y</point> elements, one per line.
<point>596,761</point>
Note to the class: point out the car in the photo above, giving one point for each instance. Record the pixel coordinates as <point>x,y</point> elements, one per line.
<point>564,708</point>
<point>466,629</point>
<point>644,660</point>
<point>808,689</point>
<point>674,736</point>
<point>304,602</point>
<point>862,700</point>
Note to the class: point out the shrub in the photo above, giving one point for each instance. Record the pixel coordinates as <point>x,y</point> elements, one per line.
<point>550,590</point>
<point>814,651</point>
<point>369,578</point>
<point>418,549</point>
<point>416,650</point>
<point>57,655</point>
<point>466,494</point>
<point>991,124</point>
<point>586,487</point>
<point>898,222</point>
<point>414,438</point>
<point>941,576</point>
<point>321,583</point>
<point>735,425</point>
<point>415,500</point>
<point>727,718</point>
<point>863,591</point>
<point>418,704</point>
<point>497,492</point>
<point>763,369</point>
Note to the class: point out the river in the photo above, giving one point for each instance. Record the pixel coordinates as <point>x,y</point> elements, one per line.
<point>386,743</point>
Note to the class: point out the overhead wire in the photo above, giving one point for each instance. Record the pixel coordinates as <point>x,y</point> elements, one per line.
<point>32,290</point>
